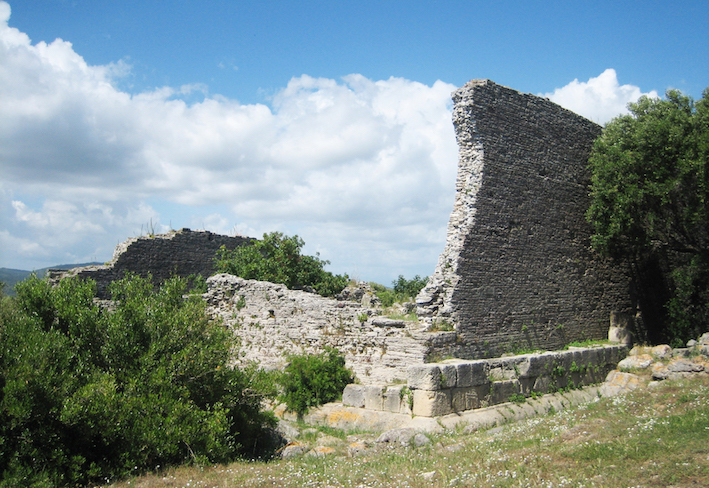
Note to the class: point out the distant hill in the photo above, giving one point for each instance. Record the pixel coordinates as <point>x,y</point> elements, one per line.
<point>10,277</point>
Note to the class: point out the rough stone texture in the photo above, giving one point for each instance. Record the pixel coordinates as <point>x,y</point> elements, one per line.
<point>517,269</point>
<point>457,385</point>
<point>272,321</point>
<point>182,253</point>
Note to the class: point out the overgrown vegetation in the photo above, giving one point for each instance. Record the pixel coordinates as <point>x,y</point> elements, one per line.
<point>311,380</point>
<point>402,290</point>
<point>277,258</point>
<point>94,394</point>
<point>653,437</point>
<point>650,208</point>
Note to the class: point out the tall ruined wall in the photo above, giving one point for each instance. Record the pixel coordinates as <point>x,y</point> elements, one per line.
<point>517,270</point>
<point>182,253</point>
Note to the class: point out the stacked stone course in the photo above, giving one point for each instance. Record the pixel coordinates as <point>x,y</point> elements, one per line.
<point>517,269</point>
<point>177,253</point>
<point>438,389</point>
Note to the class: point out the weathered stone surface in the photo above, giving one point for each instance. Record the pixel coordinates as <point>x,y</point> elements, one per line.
<point>429,403</point>
<point>642,361</point>
<point>272,321</point>
<point>374,397</point>
<point>394,400</point>
<point>468,398</point>
<point>353,396</point>
<point>424,377</point>
<point>517,268</point>
<point>321,451</point>
<point>182,253</point>
<point>401,437</point>
<point>663,351</point>
<point>618,383</point>
<point>293,450</point>
<point>502,391</point>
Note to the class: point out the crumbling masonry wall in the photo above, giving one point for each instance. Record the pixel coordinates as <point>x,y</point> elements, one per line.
<point>517,270</point>
<point>182,253</point>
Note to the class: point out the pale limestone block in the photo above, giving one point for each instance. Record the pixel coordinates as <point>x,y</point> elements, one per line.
<point>392,398</point>
<point>663,351</point>
<point>472,373</point>
<point>428,403</point>
<point>424,377</point>
<point>373,397</point>
<point>353,396</point>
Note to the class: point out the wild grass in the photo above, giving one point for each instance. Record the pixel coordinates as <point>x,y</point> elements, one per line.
<point>651,437</point>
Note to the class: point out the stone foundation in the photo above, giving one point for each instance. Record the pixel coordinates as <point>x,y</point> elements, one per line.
<point>438,389</point>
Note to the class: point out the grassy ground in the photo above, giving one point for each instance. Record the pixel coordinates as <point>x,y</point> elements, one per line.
<point>654,437</point>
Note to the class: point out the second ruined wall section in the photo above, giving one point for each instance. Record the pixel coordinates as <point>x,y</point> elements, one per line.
<point>526,276</point>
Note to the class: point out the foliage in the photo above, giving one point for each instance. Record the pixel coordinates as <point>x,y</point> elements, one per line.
<point>649,201</point>
<point>401,291</point>
<point>409,288</point>
<point>89,393</point>
<point>311,380</point>
<point>277,258</point>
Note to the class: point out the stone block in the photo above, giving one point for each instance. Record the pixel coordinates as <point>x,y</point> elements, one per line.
<point>542,364</point>
<point>542,384</point>
<point>472,373</point>
<point>428,403</point>
<point>449,375</point>
<point>392,398</point>
<point>468,398</point>
<point>373,397</point>
<point>353,396</point>
<point>502,391</point>
<point>424,377</point>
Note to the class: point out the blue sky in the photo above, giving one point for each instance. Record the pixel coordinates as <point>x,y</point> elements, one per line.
<point>326,119</point>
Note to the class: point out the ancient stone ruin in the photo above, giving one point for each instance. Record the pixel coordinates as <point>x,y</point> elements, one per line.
<point>517,270</point>
<point>182,253</point>
<point>517,273</point>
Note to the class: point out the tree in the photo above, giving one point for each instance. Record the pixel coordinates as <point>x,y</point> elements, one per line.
<point>649,207</point>
<point>278,259</point>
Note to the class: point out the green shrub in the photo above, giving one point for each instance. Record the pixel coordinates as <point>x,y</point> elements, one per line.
<point>277,259</point>
<point>312,380</point>
<point>93,394</point>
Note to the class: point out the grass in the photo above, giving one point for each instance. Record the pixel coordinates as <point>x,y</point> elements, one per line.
<point>651,437</point>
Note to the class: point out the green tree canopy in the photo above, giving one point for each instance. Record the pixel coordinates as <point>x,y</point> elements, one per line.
<point>649,195</point>
<point>277,258</point>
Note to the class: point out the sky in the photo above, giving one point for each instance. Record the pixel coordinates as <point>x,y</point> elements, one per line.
<point>329,120</point>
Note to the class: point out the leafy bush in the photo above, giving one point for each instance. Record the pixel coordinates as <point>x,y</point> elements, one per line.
<point>277,259</point>
<point>89,393</point>
<point>312,380</point>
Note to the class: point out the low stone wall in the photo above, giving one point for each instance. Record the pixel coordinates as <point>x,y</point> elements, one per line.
<point>272,322</point>
<point>450,386</point>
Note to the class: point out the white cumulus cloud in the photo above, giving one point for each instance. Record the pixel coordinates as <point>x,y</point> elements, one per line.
<point>362,169</point>
<point>598,99</point>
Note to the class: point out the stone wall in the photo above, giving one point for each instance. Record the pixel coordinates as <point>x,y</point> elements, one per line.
<point>182,253</point>
<point>437,389</point>
<point>272,322</point>
<point>517,270</point>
